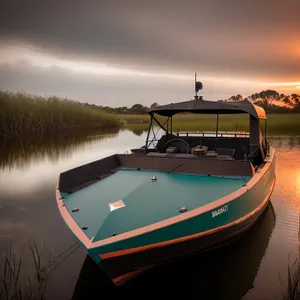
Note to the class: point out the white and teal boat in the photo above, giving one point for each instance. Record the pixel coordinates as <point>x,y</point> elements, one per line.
<point>176,195</point>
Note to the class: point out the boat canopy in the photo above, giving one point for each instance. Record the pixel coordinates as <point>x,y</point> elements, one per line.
<point>200,106</point>
<point>257,139</point>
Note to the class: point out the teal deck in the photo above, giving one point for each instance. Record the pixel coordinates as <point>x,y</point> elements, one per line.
<point>146,201</point>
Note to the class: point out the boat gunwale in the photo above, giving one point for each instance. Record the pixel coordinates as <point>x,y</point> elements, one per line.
<point>90,244</point>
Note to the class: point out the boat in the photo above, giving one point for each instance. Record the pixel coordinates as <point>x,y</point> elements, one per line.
<point>179,194</point>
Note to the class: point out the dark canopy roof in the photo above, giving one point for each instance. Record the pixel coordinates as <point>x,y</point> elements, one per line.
<point>210,107</point>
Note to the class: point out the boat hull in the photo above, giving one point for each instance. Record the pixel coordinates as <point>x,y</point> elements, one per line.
<point>122,267</point>
<point>207,230</point>
<point>229,261</point>
<point>201,229</point>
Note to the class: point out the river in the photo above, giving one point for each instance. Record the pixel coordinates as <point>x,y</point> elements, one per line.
<point>253,267</point>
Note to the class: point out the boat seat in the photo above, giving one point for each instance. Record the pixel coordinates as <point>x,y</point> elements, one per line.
<point>225,157</point>
<point>211,153</point>
<point>226,152</point>
<point>140,151</point>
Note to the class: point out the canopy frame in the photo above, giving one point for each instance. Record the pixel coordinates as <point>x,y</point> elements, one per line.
<point>257,142</point>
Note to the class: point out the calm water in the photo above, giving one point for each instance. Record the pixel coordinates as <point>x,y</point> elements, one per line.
<point>247,268</point>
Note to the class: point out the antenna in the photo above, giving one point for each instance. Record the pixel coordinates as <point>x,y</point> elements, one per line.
<point>196,92</point>
<point>198,86</point>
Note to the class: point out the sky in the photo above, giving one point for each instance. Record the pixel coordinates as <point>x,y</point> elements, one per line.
<point>119,53</point>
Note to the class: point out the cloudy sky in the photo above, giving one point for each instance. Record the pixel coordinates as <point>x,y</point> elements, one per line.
<point>121,52</point>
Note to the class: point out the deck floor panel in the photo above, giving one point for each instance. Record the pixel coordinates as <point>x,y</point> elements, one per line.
<point>154,201</point>
<point>146,202</point>
<point>93,201</point>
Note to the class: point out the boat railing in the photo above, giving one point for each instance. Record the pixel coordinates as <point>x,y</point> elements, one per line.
<point>214,134</point>
<point>220,134</point>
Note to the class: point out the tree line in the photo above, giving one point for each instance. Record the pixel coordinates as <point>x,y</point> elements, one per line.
<point>134,109</point>
<point>270,100</point>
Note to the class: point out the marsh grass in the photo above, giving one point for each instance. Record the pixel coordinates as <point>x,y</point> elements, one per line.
<point>292,290</point>
<point>22,113</point>
<point>276,123</point>
<point>17,284</point>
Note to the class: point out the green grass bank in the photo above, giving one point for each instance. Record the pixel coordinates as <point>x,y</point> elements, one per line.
<point>22,114</point>
<point>277,123</point>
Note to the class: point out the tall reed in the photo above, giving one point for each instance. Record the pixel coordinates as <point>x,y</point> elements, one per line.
<point>22,113</point>
<point>292,290</point>
<point>16,283</point>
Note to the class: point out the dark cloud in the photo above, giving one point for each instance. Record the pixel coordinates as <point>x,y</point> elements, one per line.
<point>235,38</point>
<point>116,90</point>
<point>102,90</point>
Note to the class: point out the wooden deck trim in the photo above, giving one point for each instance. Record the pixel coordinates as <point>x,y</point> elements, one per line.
<point>77,231</point>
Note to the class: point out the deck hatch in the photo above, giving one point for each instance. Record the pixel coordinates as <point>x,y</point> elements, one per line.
<point>116,205</point>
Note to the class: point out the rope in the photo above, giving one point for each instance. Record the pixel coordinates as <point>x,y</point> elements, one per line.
<point>181,163</point>
<point>58,264</point>
<point>76,244</point>
<point>62,253</point>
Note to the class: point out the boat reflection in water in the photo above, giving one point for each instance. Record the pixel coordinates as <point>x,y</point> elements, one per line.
<point>227,271</point>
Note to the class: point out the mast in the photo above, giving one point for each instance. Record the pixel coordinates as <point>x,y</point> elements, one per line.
<point>196,91</point>
<point>198,86</point>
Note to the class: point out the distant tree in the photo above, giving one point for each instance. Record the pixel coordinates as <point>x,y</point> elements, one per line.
<point>139,109</point>
<point>154,105</point>
<point>236,98</point>
<point>270,100</point>
<point>265,98</point>
<point>137,106</point>
<point>287,100</point>
<point>295,98</point>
